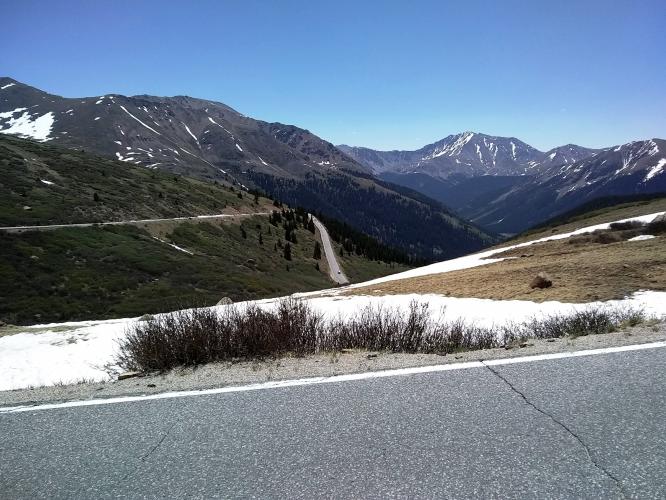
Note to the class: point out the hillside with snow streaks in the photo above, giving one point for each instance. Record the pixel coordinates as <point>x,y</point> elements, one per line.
<point>507,186</point>
<point>151,131</point>
<point>469,154</point>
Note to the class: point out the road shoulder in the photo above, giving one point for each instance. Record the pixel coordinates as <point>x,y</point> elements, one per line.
<point>321,365</point>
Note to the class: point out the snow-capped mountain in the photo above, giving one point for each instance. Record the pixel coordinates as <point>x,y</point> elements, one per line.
<point>634,168</point>
<point>179,134</point>
<point>468,154</point>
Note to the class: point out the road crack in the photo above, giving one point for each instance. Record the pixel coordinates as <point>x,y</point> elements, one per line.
<point>159,443</point>
<point>588,451</point>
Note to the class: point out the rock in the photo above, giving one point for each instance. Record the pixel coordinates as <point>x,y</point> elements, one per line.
<point>250,262</point>
<point>2,323</point>
<point>146,317</point>
<point>550,340</point>
<point>224,301</point>
<point>525,255</point>
<point>26,207</point>
<point>371,355</point>
<point>126,375</point>
<point>541,280</point>
<point>151,385</point>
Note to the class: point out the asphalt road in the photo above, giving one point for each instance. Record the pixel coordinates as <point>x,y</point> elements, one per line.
<point>592,427</point>
<point>20,229</point>
<point>335,271</point>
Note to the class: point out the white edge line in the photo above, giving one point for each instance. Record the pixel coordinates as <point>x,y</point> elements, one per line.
<point>334,379</point>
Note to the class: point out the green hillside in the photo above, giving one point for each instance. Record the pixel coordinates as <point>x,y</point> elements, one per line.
<point>102,272</point>
<point>42,184</point>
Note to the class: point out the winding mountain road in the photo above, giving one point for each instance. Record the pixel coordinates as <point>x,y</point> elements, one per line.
<point>335,271</point>
<point>577,426</point>
<point>20,229</point>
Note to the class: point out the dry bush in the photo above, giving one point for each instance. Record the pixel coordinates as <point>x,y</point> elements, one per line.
<point>198,336</point>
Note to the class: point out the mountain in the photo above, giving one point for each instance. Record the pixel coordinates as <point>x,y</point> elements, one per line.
<point>634,168</point>
<point>468,154</point>
<point>507,186</point>
<point>213,142</point>
<point>180,134</point>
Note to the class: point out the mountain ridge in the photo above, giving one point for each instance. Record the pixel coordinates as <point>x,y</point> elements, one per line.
<point>213,142</point>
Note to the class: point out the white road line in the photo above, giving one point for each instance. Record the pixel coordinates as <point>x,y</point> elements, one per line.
<point>335,379</point>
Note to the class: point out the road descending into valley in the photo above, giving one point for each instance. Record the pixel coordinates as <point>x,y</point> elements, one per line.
<point>335,271</point>
<point>588,425</point>
<point>20,229</point>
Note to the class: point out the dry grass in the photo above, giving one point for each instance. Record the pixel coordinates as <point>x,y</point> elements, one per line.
<point>601,216</point>
<point>582,269</point>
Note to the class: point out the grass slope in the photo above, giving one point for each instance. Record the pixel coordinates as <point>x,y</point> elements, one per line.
<point>115,271</point>
<point>89,188</point>
<point>84,273</point>
<point>599,266</point>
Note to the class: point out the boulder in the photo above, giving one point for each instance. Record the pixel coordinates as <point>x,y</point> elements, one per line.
<point>224,301</point>
<point>541,280</point>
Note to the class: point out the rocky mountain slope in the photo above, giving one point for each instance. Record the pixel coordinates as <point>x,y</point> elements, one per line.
<point>468,154</point>
<point>506,186</point>
<point>633,168</point>
<point>213,142</point>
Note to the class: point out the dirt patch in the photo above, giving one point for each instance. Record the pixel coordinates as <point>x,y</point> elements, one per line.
<point>583,269</point>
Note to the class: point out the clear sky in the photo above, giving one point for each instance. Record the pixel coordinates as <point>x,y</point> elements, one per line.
<point>383,74</point>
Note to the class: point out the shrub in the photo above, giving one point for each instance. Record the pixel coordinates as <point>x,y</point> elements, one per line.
<point>200,335</point>
<point>623,226</point>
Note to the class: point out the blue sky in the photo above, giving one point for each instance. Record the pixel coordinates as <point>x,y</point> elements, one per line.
<point>383,74</point>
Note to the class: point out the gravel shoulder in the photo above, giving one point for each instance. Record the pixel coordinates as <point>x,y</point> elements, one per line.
<point>321,365</point>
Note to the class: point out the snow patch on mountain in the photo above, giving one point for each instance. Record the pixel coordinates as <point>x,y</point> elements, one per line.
<point>190,132</point>
<point>147,126</point>
<point>656,170</point>
<point>27,125</point>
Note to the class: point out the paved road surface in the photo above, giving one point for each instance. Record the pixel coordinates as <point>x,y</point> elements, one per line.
<point>20,229</point>
<point>591,427</point>
<point>335,271</point>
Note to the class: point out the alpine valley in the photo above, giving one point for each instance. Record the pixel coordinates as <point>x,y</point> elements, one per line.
<point>212,142</point>
<point>446,199</point>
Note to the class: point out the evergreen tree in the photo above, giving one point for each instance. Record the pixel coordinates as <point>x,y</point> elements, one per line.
<point>261,240</point>
<point>95,196</point>
<point>317,251</point>
<point>243,233</point>
<point>287,251</point>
